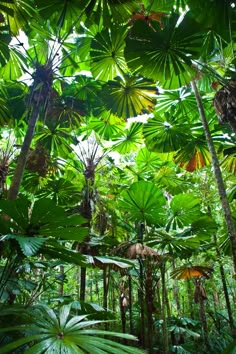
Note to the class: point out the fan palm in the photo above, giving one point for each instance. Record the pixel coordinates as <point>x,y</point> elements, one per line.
<point>143,202</point>
<point>47,331</point>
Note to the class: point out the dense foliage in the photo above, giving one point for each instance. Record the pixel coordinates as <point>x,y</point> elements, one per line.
<point>117,176</point>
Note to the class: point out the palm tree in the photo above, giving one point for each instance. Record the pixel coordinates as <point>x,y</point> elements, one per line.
<point>196,272</point>
<point>174,68</point>
<point>93,66</point>
<point>52,331</point>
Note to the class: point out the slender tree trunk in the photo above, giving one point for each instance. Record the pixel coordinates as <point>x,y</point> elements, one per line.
<point>149,303</point>
<point>39,98</point>
<point>106,276</point>
<point>122,313</point>
<point>113,299</point>
<point>218,176</point>
<point>82,283</point>
<point>141,302</point>
<point>202,313</point>
<point>190,299</point>
<point>225,289</point>
<point>105,288</point>
<point>159,314</point>
<point>164,324</point>
<point>61,285</point>
<point>176,292</point>
<point>20,167</point>
<point>97,290</point>
<point>130,306</point>
<point>91,291</point>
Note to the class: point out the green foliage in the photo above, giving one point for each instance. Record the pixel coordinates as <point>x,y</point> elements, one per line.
<point>105,88</point>
<point>32,225</point>
<point>143,201</point>
<point>107,54</point>
<point>47,331</point>
<point>164,55</point>
<point>166,133</point>
<point>129,96</point>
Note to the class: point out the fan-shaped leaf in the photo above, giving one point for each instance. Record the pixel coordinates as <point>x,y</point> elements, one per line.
<point>143,201</point>
<point>130,97</point>
<point>29,245</point>
<point>165,133</point>
<point>129,140</point>
<point>184,209</point>
<point>191,272</point>
<point>107,54</point>
<point>16,210</point>
<point>14,67</point>
<point>164,55</point>
<point>194,155</point>
<point>50,332</point>
<point>183,101</point>
<point>148,160</point>
<point>106,126</point>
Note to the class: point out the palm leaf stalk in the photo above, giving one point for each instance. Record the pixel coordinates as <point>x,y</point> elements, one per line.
<point>218,175</point>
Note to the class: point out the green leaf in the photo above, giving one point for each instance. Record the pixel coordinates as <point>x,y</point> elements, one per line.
<point>54,251</point>
<point>4,49</point>
<point>182,100</point>
<point>107,54</point>
<point>106,126</point>
<point>14,67</point>
<point>164,54</point>
<point>143,201</point>
<point>194,154</point>
<point>29,245</point>
<point>148,160</point>
<point>184,209</point>
<point>129,140</point>
<point>46,212</point>
<point>166,133</point>
<point>59,333</point>
<point>230,349</point>
<point>62,191</point>
<point>15,344</point>
<point>16,210</point>
<point>23,13</point>
<point>129,97</point>
<point>65,233</point>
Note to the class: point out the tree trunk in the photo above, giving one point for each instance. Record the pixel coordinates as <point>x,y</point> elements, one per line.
<point>158,330</point>
<point>106,276</point>
<point>200,299</point>
<point>82,283</point>
<point>130,306</point>
<point>225,289</point>
<point>61,285</point>
<point>21,161</point>
<point>176,292</point>
<point>164,324</point>
<point>39,97</point>
<point>190,299</point>
<point>105,288</point>
<point>218,176</point>
<point>149,304</point>
<point>123,307</point>
<point>141,302</point>
<point>97,290</point>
